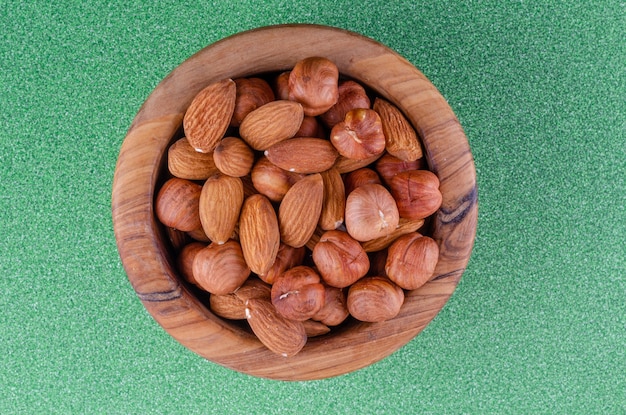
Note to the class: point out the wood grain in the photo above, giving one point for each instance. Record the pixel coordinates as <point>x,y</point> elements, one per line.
<point>142,242</point>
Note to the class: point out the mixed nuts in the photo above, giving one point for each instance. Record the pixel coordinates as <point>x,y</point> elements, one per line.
<point>297,201</point>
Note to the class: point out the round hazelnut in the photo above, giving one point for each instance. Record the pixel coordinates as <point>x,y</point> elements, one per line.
<point>374,299</point>
<point>416,193</point>
<point>220,269</point>
<point>233,157</point>
<point>251,93</point>
<point>340,259</point>
<point>185,260</point>
<point>360,177</point>
<point>388,166</point>
<point>411,260</point>
<point>286,258</point>
<point>271,180</point>
<point>360,135</point>
<point>314,83</point>
<point>371,212</point>
<point>335,309</point>
<point>298,293</point>
<point>351,96</point>
<point>177,204</point>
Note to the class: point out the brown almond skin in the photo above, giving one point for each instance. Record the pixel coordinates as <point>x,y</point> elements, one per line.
<point>298,293</point>
<point>335,309</point>
<point>303,155</point>
<point>416,193</point>
<point>271,123</point>
<point>388,166</point>
<point>411,260</point>
<point>404,226</point>
<point>371,212</point>
<point>401,138</point>
<point>300,209</point>
<point>233,157</point>
<point>315,328</point>
<point>334,204</point>
<point>259,233</point>
<point>220,269</point>
<point>271,180</point>
<point>177,204</point>
<point>233,305</point>
<point>374,299</point>
<point>209,114</point>
<point>220,203</point>
<point>280,335</point>
<point>360,135</point>
<point>185,260</point>
<point>346,165</point>
<point>360,177</point>
<point>352,95</point>
<point>251,94</point>
<point>314,82</point>
<point>286,258</point>
<point>340,259</point>
<point>184,162</point>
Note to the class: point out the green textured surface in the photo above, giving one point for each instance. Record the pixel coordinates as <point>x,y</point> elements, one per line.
<point>538,322</point>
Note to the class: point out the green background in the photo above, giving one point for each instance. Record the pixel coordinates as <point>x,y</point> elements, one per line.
<point>538,322</point>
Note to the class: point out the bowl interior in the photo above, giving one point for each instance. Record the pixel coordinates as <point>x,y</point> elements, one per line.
<point>145,249</point>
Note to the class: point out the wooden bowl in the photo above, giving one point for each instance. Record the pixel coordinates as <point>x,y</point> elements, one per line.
<point>145,249</point>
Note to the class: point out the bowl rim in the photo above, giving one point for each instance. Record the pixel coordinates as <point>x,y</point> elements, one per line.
<point>142,245</point>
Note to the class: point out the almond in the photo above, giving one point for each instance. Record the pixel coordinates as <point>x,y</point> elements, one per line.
<point>314,328</point>
<point>404,226</point>
<point>184,162</point>
<point>300,209</point>
<point>271,123</point>
<point>401,138</point>
<point>334,204</point>
<point>233,305</point>
<point>209,115</point>
<point>220,202</point>
<point>303,155</point>
<point>259,233</point>
<point>280,335</point>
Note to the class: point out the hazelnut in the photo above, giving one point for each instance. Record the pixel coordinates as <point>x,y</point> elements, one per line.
<point>233,157</point>
<point>271,180</point>
<point>335,310</point>
<point>371,212</point>
<point>314,83</point>
<point>220,269</point>
<point>416,193</point>
<point>286,258</point>
<point>340,259</point>
<point>411,260</point>
<point>310,127</point>
<point>351,96</point>
<point>185,260</point>
<point>360,135</point>
<point>251,93</point>
<point>374,299</point>
<point>298,293</point>
<point>281,85</point>
<point>388,166</point>
<point>360,177</point>
<point>177,204</point>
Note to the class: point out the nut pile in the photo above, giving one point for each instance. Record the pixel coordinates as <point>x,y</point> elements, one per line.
<point>297,200</point>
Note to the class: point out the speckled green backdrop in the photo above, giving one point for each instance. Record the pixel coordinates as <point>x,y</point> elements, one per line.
<point>538,322</point>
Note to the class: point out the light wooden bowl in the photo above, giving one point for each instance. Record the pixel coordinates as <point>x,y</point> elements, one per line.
<point>145,250</point>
